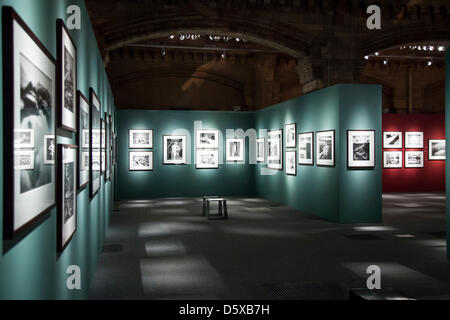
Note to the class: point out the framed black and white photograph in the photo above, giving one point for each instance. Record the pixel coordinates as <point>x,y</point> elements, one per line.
<point>275,149</point>
<point>66,78</point>
<point>103,145</point>
<point>306,148</point>
<point>235,150</point>
<point>110,147</point>
<point>66,194</point>
<point>24,160</point>
<point>141,160</point>
<point>436,149</point>
<point>392,140</point>
<point>260,150</point>
<point>325,148</point>
<point>413,159</point>
<point>361,148</point>
<point>207,159</point>
<point>291,135</point>
<point>23,138</point>
<point>291,162</point>
<point>414,140</point>
<point>174,149</point>
<point>50,149</point>
<point>83,140</point>
<point>392,159</point>
<point>29,82</point>
<point>207,139</point>
<point>106,148</point>
<point>140,139</point>
<point>95,141</point>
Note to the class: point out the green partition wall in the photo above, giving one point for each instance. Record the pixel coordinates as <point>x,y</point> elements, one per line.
<point>231,179</point>
<point>31,268</point>
<point>335,193</point>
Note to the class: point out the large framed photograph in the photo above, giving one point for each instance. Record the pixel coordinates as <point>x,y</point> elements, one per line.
<point>141,160</point>
<point>95,142</point>
<point>291,162</point>
<point>24,138</point>
<point>174,149</point>
<point>291,135</point>
<point>325,148</point>
<point>110,147</point>
<point>140,139</point>
<point>235,150</point>
<point>106,148</point>
<point>83,129</point>
<point>66,194</point>
<point>207,159</point>
<point>436,149</point>
<point>414,140</point>
<point>392,159</point>
<point>306,148</point>
<point>413,159</point>
<point>66,78</point>
<point>361,148</point>
<point>260,150</point>
<point>103,146</point>
<point>29,82</point>
<point>275,149</point>
<point>207,139</point>
<point>392,140</point>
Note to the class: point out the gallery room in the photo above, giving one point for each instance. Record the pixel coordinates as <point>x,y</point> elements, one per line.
<point>224,150</point>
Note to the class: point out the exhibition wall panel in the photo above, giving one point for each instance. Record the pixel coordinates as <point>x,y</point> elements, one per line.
<point>447,135</point>
<point>334,193</point>
<point>432,176</point>
<point>230,179</point>
<point>30,267</point>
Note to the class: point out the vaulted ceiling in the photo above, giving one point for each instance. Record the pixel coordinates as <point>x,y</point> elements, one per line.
<point>245,55</point>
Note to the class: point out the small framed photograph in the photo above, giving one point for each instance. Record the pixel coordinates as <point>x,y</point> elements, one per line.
<point>66,194</point>
<point>414,140</point>
<point>66,78</point>
<point>392,159</point>
<point>140,139</point>
<point>325,148</point>
<point>141,160</point>
<point>290,135</point>
<point>413,159</point>
<point>95,143</point>
<point>235,150</point>
<point>392,140</point>
<point>83,140</point>
<point>24,160</point>
<point>207,139</point>
<point>50,149</point>
<point>275,149</point>
<point>23,138</point>
<point>436,149</point>
<point>29,103</point>
<point>260,150</point>
<point>291,163</point>
<point>306,148</point>
<point>361,148</point>
<point>174,149</point>
<point>207,159</point>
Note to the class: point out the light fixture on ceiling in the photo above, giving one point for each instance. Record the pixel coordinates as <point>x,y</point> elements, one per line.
<point>441,48</point>
<point>377,53</point>
<point>430,63</point>
<point>163,52</point>
<point>366,57</point>
<point>385,62</point>
<point>224,55</point>
<point>171,37</point>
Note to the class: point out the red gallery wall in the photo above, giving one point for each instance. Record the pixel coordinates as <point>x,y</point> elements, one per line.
<point>432,176</point>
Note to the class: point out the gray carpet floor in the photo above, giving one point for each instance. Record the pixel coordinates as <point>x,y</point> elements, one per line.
<point>165,249</point>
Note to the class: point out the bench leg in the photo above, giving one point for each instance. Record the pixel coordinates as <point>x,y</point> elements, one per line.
<point>225,209</point>
<point>220,208</point>
<point>204,207</point>
<point>207,209</point>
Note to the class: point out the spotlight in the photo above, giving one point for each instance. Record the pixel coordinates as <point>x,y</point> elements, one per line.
<point>441,48</point>
<point>223,55</point>
<point>182,37</point>
<point>366,57</point>
<point>377,53</point>
<point>431,48</point>
<point>171,36</point>
<point>163,52</point>
<point>385,62</point>
<point>430,63</point>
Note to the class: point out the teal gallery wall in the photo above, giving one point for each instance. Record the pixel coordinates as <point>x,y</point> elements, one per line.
<point>231,179</point>
<point>31,268</point>
<point>337,193</point>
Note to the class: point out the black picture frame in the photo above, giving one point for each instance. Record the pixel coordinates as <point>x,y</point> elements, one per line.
<point>295,161</point>
<point>333,150</point>
<point>264,150</point>
<point>63,37</point>
<point>133,152</point>
<point>164,147</point>
<point>131,144</point>
<point>353,167</point>
<point>286,135</point>
<point>61,193</point>
<point>80,138</point>
<point>206,150</point>
<point>94,125</point>
<point>110,148</point>
<point>242,141</point>
<point>312,148</point>
<point>281,148</point>
<point>14,210</point>
<point>102,146</point>
<point>430,150</point>
<point>105,147</point>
